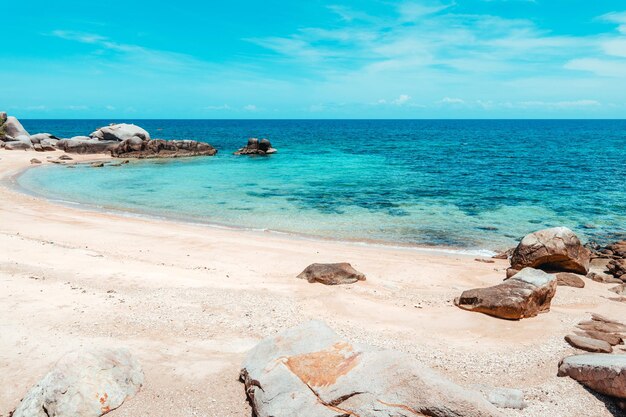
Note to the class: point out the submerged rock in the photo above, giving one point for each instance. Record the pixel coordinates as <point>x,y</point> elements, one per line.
<point>119,132</point>
<point>84,384</point>
<point>332,274</point>
<point>602,373</point>
<point>309,371</point>
<point>256,147</point>
<point>527,294</point>
<point>556,249</point>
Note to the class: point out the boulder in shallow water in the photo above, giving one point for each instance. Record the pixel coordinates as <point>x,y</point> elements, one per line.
<point>600,372</point>
<point>309,371</point>
<point>555,249</point>
<point>256,147</point>
<point>84,384</point>
<point>525,295</point>
<point>332,274</point>
<point>119,132</point>
<point>159,148</point>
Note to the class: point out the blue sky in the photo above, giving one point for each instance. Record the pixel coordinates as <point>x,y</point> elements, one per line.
<point>314,59</point>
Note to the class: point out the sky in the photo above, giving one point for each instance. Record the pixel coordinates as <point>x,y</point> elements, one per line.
<point>313,59</point>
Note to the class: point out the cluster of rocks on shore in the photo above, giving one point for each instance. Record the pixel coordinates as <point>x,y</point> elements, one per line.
<point>119,140</point>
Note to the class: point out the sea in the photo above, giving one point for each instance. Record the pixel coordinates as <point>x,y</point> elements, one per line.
<point>462,184</point>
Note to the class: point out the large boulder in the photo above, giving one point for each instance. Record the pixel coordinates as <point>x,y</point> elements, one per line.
<point>309,371</point>
<point>39,137</point>
<point>602,373</point>
<point>12,127</point>
<point>85,384</point>
<point>332,274</point>
<point>256,147</point>
<point>85,145</point>
<point>525,295</point>
<point>119,132</point>
<point>18,145</point>
<point>556,249</point>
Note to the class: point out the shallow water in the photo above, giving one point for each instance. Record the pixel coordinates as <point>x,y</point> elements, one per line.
<point>466,184</point>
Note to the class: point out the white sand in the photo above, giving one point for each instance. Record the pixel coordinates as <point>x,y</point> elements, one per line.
<point>190,300</point>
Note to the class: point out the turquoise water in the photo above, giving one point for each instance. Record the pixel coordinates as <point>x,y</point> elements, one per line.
<point>464,184</point>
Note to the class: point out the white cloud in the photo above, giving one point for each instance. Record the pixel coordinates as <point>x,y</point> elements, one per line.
<point>598,66</point>
<point>410,11</point>
<point>401,100</point>
<point>452,100</point>
<point>250,107</point>
<point>218,107</point>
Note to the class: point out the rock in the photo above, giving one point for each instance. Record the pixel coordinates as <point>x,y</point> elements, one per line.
<point>256,147</point>
<point>12,127</point>
<point>17,146</point>
<point>35,161</point>
<point>332,274</point>
<point>38,137</point>
<point>600,326</point>
<point>602,373</point>
<point>85,145</point>
<point>525,295</point>
<point>119,132</point>
<point>510,272</point>
<point>588,344</point>
<point>97,164</point>
<point>617,268</point>
<point>503,397</point>
<point>159,148</point>
<point>603,278</point>
<point>611,338</point>
<point>486,261</point>
<point>556,249</point>
<point>309,371</point>
<point>48,145</point>
<point>3,117</point>
<point>620,289</point>
<point>66,158</point>
<point>567,279</point>
<point>84,384</point>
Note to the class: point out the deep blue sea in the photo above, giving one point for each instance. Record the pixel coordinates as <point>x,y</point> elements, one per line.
<point>456,183</point>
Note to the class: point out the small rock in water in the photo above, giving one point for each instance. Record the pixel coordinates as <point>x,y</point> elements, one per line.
<point>97,164</point>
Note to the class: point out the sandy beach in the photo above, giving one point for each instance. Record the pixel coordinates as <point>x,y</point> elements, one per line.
<point>190,300</point>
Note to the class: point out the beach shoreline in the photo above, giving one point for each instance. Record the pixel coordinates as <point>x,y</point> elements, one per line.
<point>189,301</point>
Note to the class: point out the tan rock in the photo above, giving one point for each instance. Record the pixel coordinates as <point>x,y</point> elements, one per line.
<point>588,344</point>
<point>332,274</point>
<point>568,279</point>
<point>600,372</point>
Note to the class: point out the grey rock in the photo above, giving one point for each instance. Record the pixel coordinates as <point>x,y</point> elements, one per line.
<point>12,127</point>
<point>600,372</point>
<point>555,249</point>
<point>120,132</point>
<point>256,147</point>
<point>35,161</point>
<point>603,278</point>
<point>39,137</point>
<point>309,371</point>
<point>17,146</point>
<point>84,384</point>
<point>332,274</point>
<point>503,397</point>
<point>85,145</point>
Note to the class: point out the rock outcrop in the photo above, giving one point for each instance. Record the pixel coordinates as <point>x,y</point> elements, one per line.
<point>332,274</point>
<point>85,384</point>
<point>309,371</point>
<point>85,145</point>
<point>159,148</point>
<point>602,373</point>
<point>13,128</point>
<point>556,249</point>
<point>256,147</point>
<point>525,295</point>
<point>602,328</point>
<point>120,132</point>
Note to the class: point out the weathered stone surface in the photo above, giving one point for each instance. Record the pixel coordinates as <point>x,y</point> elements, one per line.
<point>84,384</point>
<point>159,148</point>
<point>588,344</point>
<point>503,397</point>
<point>556,249</point>
<point>256,147</point>
<point>48,145</point>
<point>620,289</point>
<point>332,274</point>
<point>599,326</point>
<point>611,338</point>
<point>510,272</point>
<point>17,146</point>
<point>309,371</point>
<point>568,279</point>
<point>603,278</point>
<point>602,373</point>
<point>97,164</point>
<point>85,145</point>
<point>12,127</point>
<point>66,158</point>
<point>617,268</point>
<point>525,295</point>
<point>35,161</point>
<point>38,137</point>
<point>120,132</point>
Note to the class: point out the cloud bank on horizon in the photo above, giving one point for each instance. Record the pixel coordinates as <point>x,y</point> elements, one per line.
<point>338,59</point>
